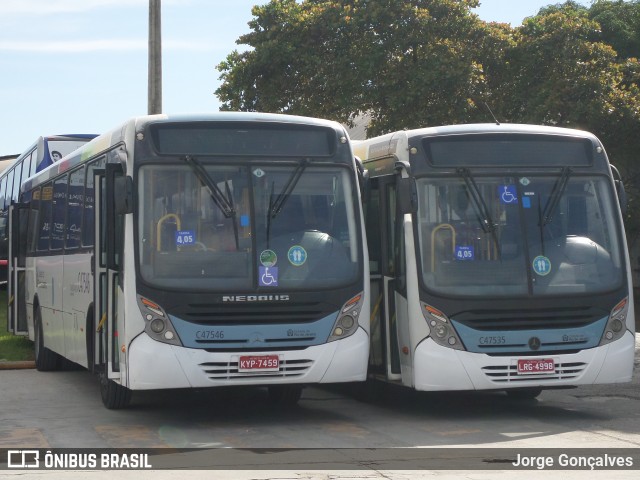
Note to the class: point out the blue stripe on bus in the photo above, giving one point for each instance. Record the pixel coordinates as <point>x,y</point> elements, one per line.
<point>517,341</point>
<point>256,336</point>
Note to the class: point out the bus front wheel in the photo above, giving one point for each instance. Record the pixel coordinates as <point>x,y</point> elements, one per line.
<point>114,396</point>
<point>524,393</point>
<point>284,395</point>
<point>46,360</point>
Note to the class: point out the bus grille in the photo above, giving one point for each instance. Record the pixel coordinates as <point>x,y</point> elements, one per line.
<point>254,313</point>
<point>509,373</point>
<point>510,320</point>
<point>229,370</point>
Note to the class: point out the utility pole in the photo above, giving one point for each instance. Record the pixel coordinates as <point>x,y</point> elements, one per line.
<point>155,58</point>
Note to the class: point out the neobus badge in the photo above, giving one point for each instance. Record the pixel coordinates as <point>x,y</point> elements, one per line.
<point>255,298</point>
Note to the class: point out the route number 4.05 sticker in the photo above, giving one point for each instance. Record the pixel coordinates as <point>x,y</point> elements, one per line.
<point>185,237</point>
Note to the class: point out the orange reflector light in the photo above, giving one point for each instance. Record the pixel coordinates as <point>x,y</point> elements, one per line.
<point>618,308</point>
<point>351,303</point>
<point>155,308</point>
<point>435,312</point>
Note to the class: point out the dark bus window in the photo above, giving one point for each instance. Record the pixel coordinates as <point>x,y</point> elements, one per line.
<point>75,208</point>
<point>88,224</point>
<point>3,192</point>
<point>45,217</point>
<point>34,221</point>
<point>17,180</point>
<point>9,193</point>
<point>59,210</point>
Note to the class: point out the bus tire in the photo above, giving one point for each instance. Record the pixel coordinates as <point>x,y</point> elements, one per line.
<point>524,393</point>
<point>91,340</point>
<point>46,360</point>
<point>114,396</point>
<point>284,395</point>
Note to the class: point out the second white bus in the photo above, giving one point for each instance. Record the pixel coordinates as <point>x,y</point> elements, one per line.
<point>498,260</point>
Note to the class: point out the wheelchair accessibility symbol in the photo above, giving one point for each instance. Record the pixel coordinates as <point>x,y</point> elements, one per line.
<point>508,194</point>
<point>268,276</point>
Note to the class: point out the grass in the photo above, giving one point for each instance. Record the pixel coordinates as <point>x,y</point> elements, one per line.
<point>12,347</point>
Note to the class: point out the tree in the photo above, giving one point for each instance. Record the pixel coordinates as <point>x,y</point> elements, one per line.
<point>620,24</point>
<point>407,64</point>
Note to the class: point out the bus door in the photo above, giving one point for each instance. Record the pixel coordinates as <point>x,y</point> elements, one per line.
<point>384,359</point>
<point>18,220</point>
<point>106,275</point>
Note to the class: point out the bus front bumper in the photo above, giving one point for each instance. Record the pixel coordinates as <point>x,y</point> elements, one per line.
<point>155,365</point>
<point>439,368</point>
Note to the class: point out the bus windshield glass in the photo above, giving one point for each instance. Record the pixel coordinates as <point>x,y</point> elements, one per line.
<point>518,235</point>
<point>263,226</point>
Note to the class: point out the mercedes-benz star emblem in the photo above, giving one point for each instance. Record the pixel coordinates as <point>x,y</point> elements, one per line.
<point>534,343</point>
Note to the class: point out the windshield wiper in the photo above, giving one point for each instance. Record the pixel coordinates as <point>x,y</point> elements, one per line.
<point>278,204</point>
<point>222,201</point>
<point>480,206</point>
<point>484,216</point>
<point>554,199</point>
<point>275,207</point>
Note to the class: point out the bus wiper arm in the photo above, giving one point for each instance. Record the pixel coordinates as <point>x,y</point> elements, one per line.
<point>557,192</point>
<point>223,203</point>
<point>486,222</point>
<point>284,195</point>
<point>233,209</point>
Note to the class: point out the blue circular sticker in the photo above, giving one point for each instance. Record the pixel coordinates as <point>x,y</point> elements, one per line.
<point>541,265</point>
<point>297,255</point>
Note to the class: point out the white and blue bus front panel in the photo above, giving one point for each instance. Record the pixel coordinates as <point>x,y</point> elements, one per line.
<point>250,257</point>
<point>522,268</point>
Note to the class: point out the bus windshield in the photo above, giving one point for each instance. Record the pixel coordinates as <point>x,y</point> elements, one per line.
<point>216,227</point>
<point>536,235</point>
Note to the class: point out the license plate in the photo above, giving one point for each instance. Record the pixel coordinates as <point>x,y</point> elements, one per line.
<point>260,363</point>
<point>537,365</point>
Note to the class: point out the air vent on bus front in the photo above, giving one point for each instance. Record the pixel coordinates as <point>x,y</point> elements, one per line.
<point>509,320</point>
<point>254,313</point>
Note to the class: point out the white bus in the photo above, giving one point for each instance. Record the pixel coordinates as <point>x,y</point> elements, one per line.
<point>43,152</point>
<point>200,251</point>
<point>498,260</point>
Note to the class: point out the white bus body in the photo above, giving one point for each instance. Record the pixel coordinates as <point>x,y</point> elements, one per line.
<point>498,260</point>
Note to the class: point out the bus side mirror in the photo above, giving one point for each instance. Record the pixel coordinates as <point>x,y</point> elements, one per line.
<point>620,190</point>
<point>406,189</point>
<point>363,179</point>
<point>123,194</point>
<point>407,195</point>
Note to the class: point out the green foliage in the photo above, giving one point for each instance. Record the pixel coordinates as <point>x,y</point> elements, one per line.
<point>417,63</point>
<point>620,24</point>
<point>407,63</point>
<point>12,348</point>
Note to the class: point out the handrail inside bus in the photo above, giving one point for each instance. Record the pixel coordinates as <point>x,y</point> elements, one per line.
<point>159,226</point>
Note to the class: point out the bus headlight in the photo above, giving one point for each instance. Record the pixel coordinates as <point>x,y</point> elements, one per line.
<point>615,327</point>
<point>442,332</point>
<point>347,322</point>
<point>156,322</point>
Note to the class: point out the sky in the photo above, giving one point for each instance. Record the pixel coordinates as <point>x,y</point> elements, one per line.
<point>80,66</point>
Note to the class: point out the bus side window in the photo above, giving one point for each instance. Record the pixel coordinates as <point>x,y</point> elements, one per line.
<point>58,213</point>
<point>88,223</point>
<point>372,219</point>
<point>75,208</point>
<point>3,192</point>
<point>34,222</point>
<point>45,217</point>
